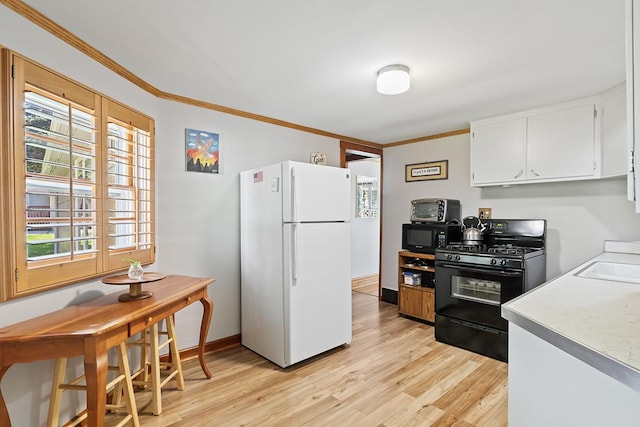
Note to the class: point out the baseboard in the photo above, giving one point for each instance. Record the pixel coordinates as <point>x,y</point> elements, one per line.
<point>210,347</point>
<point>389,295</point>
<point>371,279</point>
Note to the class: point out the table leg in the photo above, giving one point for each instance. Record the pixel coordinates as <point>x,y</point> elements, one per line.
<point>4,413</point>
<point>207,304</point>
<point>95,371</point>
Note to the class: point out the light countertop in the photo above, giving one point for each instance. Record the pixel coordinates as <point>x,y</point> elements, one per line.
<point>595,320</point>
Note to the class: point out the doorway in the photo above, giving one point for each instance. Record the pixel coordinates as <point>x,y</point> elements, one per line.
<point>366,168</point>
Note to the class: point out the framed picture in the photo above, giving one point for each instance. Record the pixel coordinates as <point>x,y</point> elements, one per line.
<point>427,171</point>
<point>202,151</point>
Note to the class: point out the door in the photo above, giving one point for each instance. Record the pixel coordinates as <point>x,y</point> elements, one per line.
<point>365,232</point>
<point>475,294</point>
<point>317,288</point>
<point>315,193</point>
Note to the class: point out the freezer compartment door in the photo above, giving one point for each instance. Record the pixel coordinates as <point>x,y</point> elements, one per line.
<point>261,196</point>
<point>316,193</point>
<point>317,289</point>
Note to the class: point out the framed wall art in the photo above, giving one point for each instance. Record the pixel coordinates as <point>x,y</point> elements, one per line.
<point>202,151</point>
<point>427,171</point>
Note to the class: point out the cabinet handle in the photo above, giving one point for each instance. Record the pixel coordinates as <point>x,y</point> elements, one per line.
<point>519,174</point>
<point>148,319</point>
<point>187,300</point>
<point>534,172</point>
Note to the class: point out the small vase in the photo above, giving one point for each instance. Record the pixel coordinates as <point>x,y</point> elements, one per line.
<point>135,271</point>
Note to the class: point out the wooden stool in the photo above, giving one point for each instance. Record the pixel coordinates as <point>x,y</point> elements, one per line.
<point>150,375</point>
<point>122,382</point>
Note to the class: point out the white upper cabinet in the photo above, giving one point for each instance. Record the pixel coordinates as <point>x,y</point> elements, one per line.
<point>563,142</point>
<point>633,97</point>
<point>492,144</point>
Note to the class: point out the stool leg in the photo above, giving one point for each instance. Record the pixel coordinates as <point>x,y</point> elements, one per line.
<point>144,355</point>
<point>174,352</point>
<point>120,387</point>
<point>130,401</point>
<point>56,392</point>
<point>155,371</point>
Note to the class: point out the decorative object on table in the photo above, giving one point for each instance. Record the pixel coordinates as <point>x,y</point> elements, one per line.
<point>202,151</point>
<point>135,271</point>
<point>318,159</point>
<point>427,171</point>
<point>135,285</point>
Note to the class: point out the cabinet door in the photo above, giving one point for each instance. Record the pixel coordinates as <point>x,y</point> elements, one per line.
<point>429,305</point>
<point>498,151</point>
<point>633,95</point>
<point>410,301</point>
<point>561,144</point>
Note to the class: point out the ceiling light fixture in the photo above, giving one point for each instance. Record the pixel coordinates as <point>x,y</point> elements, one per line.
<point>393,79</point>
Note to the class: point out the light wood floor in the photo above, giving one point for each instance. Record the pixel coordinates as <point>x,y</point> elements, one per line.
<point>367,289</point>
<point>394,373</point>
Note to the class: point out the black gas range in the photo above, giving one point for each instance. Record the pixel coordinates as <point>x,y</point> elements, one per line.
<point>472,281</point>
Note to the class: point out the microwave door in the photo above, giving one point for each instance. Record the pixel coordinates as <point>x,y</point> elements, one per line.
<point>418,238</point>
<point>426,238</point>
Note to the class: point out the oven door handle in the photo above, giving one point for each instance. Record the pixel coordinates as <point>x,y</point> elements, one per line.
<point>503,273</point>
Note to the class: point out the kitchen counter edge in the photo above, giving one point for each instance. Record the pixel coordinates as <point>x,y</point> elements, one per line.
<point>612,367</point>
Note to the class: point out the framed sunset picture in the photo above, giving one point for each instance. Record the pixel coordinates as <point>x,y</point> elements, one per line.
<point>202,150</point>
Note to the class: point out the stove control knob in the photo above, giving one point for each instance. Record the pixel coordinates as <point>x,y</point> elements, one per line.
<point>493,261</point>
<point>503,262</point>
<point>457,257</point>
<point>449,256</point>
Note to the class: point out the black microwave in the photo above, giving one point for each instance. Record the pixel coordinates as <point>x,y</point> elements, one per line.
<point>427,237</point>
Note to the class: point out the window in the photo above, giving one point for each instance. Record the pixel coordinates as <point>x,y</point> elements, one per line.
<point>83,182</point>
<point>366,197</point>
<point>129,185</point>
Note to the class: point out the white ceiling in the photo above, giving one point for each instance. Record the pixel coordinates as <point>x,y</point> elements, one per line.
<point>314,62</point>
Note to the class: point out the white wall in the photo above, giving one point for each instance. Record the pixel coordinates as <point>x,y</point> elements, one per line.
<point>580,214</point>
<point>365,232</point>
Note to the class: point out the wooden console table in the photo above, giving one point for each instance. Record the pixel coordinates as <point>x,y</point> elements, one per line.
<point>91,328</point>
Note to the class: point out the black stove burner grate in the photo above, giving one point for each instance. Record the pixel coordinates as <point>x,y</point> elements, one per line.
<point>506,249</point>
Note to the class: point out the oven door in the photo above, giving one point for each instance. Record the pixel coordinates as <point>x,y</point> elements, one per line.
<point>474,294</point>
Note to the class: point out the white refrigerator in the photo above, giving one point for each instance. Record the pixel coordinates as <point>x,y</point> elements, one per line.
<point>295,239</point>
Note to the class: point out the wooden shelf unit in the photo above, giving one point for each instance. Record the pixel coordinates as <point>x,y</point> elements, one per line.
<point>416,300</point>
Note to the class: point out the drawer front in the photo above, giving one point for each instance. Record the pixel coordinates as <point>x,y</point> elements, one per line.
<point>138,325</point>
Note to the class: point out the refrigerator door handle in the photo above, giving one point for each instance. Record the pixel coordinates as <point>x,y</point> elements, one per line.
<point>294,254</point>
<point>294,197</point>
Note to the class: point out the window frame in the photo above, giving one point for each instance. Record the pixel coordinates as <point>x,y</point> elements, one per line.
<point>22,277</point>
